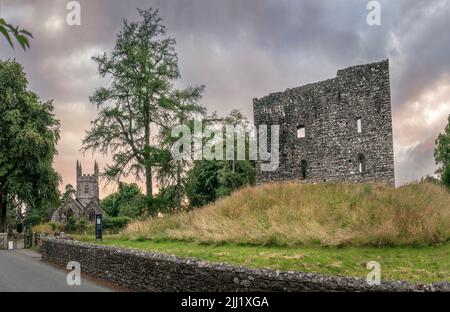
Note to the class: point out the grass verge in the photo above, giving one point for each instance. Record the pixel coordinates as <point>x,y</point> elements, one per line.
<point>413,264</point>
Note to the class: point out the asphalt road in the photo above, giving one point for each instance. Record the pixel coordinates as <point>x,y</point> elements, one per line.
<point>23,271</point>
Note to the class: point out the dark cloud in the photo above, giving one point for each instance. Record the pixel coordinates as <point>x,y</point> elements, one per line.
<point>243,49</point>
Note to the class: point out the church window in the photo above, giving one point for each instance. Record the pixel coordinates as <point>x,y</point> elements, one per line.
<point>359,125</point>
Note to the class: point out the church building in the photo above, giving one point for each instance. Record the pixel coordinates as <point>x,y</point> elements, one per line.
<point>86,203</point>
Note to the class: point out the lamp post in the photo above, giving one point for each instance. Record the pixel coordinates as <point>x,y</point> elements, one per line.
<point>98,227</point>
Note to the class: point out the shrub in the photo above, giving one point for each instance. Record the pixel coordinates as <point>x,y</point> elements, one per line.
<point>115,223</point>
<point>81,225</point>
<point>128,201</point>
<point>71,225</point>
<point>32,220</point>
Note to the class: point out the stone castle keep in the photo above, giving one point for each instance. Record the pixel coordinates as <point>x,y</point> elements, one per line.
<point>334,130</point>
<point>86,203</point>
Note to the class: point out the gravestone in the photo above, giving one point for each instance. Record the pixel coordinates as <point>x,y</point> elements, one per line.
<point>3,241</point>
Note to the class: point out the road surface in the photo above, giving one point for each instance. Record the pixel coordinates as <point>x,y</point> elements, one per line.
<point>23,271</point>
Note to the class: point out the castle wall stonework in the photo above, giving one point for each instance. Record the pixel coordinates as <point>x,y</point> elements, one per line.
<point>151,271</point>
<point>333,148</point>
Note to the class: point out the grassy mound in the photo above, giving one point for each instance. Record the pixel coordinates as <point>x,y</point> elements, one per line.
<point>313,214</point>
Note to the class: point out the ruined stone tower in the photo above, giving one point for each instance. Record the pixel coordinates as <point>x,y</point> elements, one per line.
<point>335,130</point>
<point>87,185</point>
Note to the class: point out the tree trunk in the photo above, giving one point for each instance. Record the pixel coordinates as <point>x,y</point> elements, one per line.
<point>149,187</point>
<point>148,166</point>
<point>178,187</point>
<point>3,209</point>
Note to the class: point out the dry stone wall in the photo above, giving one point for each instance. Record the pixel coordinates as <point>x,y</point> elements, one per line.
<point>150,271</point>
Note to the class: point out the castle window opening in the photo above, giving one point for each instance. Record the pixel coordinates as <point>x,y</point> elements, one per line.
<point>359,125</point>
<point>86,189</point>
<point>301,131</point>
<point>361,163</point>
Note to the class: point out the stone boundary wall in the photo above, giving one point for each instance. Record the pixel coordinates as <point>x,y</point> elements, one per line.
<point>151,271</point>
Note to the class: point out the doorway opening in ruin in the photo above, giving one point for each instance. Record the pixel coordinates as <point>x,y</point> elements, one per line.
<point>303,169</point>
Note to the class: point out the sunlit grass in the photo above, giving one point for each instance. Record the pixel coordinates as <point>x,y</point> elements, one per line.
<point>292,214</point>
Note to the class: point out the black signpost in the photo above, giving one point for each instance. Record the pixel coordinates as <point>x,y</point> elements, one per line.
<point>98,227</point>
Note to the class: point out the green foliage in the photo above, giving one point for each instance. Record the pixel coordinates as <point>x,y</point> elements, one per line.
<point>172,174</point>
<point>203,182</point>
<point>71,225</point>
<point>29,133</point>
<point>19,34</point>
<point>33,219</point>
<point>81,225</point>
<point>210,179</point>
<point>115,224</point>
<point>142,69</point>
<point>128,201</point>
<point>167,200</point>
<point>442,154</point>
<point>231,179</point>
<point>445,175</point>
<point>69,192</point>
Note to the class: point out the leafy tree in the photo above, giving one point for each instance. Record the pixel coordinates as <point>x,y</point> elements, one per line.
<point>209,180</point>
<point>69,192</point>
<point>234,175</point>
<point>29,132</point>
<point>19,34</point>
<point>168,199</point>
<point>172,174</point>
<point>442,154</point>
<point>139,99</point>
<point>128,201</point>
<point>203,182</point>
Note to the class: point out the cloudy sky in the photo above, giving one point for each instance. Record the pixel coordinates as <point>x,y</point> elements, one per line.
<point>242,49</point>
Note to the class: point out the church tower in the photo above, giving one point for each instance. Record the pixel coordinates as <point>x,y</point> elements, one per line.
<point>87,185</point>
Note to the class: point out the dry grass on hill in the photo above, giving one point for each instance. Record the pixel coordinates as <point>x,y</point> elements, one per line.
<point>305,214</point>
